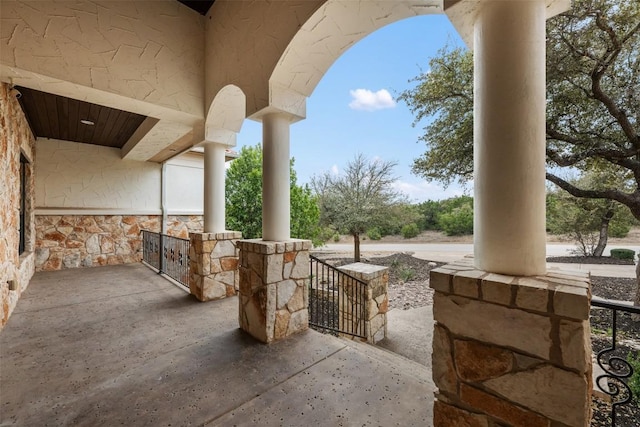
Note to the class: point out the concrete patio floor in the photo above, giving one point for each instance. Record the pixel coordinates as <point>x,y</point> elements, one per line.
<point>120,345</point>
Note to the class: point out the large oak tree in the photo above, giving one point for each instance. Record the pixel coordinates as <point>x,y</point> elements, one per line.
<point>593,105</point>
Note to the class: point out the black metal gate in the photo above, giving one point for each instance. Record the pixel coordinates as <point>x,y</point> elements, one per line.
<point>167,254</point>
<point>336,300</point>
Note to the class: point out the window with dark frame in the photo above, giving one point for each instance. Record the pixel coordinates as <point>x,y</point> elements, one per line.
<point>23,203</point>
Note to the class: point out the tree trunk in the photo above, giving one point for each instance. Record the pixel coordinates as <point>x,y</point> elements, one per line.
<point>356,247</point>
<point>604,232</point>
<point>636,317</point>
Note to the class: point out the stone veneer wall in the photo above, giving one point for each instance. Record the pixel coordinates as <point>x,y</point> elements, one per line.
<point>73,241</point>
<point>511,350</point>
<point>15,139</point>
<point>182,225</point>
<point>373,296</point>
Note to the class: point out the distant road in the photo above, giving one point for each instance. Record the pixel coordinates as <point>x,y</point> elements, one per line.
<point>457,250</point>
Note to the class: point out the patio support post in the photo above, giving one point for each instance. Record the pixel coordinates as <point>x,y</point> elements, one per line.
<point>274,270</point>
<point>509,137</point>
<point>214,180</point>
<point>511,342</point>
<point>213,255</point>
<point>275,175</point>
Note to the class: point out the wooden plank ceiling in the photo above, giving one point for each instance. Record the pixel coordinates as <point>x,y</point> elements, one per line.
<point>59,117</point>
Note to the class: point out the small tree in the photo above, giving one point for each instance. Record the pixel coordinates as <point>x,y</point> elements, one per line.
<point>244,199</point>
<point>358,199</point>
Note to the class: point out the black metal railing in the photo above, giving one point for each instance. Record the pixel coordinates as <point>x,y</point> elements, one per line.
<point>617,371</point>
<point>167,254</point>
<point>336,300</point>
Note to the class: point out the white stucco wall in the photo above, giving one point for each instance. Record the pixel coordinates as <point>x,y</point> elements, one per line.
<point>87,179</point>
<point>151,51</point>
<point>185,185</point>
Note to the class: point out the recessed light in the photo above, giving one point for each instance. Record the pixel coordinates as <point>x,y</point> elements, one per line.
<point>87,122</point>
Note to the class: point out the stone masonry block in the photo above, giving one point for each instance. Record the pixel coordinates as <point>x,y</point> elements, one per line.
<point>297,301</point>
<point>286,289</point>
<point>548,390</point>
<point>476,361</point>
<point>497,288</point>
<point>300,268</point>
<point>575,344</point>
<point>494,324</point>
<point>273,268</point>
<point>440,279</point>
<point>533,294</point>
<point>500,408</point>
<point>445,415</point>
<point>443,369</point>
<point>465,283</point>
<point>572,302</point>
<point>298,322</point>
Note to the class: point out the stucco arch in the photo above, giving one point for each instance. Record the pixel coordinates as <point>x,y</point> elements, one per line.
<point>226,115</point>
<point>245,40</point>
<point>329,32</point>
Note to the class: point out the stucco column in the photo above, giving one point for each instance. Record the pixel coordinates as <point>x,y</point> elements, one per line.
<point>214,180</point>
<point>275,177</point>
<point>509,137</point>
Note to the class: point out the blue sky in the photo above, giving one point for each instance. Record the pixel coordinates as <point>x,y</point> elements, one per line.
<point>349,111</point>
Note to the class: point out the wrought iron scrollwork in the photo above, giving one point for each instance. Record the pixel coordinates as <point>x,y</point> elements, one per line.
<point>617,369</point>
<point>611,383</point>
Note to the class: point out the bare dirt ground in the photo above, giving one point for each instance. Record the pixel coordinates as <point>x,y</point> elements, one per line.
<point>438,237</point>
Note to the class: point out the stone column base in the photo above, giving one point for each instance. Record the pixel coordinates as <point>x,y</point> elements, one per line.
<point>374,298</point>
<point>213,265</point>
<point>511,350</point>
<point>274,294</point>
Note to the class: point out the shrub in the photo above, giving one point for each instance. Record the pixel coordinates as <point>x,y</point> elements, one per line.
<point>623,254</point>
<point>458,222</point>
<point>374,233</point>
<point>634,381</point>
<point>406,274</point>
<point>336,237</point>
<point>410,230</point>
<point>619,229</point>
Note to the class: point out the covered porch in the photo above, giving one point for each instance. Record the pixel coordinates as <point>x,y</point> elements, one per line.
<point>121,345</point>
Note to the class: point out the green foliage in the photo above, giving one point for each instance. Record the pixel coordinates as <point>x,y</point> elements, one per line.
<point>634,380</point>
<point>433,211</point>
<point>458,221</point>
<point>406,273</point>
<point>374,233</point>
<point>358,199</point>
<point>593,87</point>
<point>588,221</point>
<point>410,230</point>
<point>619,229</point>
<point>429,211</point>
<point>243,191</point>
<point>336,237</point>
<point>398,215</point>
<point>305,214</point>
<point>445,94</point>
<point>623,254</point>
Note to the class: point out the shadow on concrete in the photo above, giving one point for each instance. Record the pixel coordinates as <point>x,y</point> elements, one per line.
<point>119,345</point>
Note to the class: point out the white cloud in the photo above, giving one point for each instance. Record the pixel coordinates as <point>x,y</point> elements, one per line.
<point>335,170</point>
<point>364,99</point>
<point>421,191</point>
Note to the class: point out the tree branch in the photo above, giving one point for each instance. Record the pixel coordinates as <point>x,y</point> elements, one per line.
<point>630,200</point>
